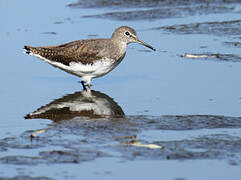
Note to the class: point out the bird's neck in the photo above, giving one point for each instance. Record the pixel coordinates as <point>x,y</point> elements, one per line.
<point>120,48</point>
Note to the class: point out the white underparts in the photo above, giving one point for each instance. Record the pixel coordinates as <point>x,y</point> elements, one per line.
<point>85,71</point>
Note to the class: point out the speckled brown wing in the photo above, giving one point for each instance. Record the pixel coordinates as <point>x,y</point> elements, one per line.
<point>83,51</point>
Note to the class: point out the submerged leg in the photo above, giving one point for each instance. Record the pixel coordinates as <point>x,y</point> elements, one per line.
<point>83,85</point>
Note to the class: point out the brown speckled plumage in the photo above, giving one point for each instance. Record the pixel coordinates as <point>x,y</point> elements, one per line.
<point>84,51</point>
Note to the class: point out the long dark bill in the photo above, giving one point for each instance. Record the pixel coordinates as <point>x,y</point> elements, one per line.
<point>145,44</point>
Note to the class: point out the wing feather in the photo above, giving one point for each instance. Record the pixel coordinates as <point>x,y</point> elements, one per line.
<point>84,51</point>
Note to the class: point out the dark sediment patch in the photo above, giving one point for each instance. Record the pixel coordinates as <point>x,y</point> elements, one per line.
<point>151,10</point>
<point>54,157</point>
<point>233,44</point>
<point>76,140</point>
<point>160,13</point>
<point>93,35</point>
<point>191,122</point>
<point>144,3</point>
<point>73,156</point>
<point>21,160</point>
<point>25,178</point>
<point>58,22</point>
<point>23,142</point>
<point>204,147</point>
<point>212,28</point>
<point>51,33</point>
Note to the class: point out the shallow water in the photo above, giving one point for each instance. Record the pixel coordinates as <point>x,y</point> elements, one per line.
<point>158,113</point>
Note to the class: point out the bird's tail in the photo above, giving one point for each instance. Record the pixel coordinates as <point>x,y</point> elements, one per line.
<point>27,50</point>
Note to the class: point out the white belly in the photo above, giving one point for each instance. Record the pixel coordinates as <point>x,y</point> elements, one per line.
<point>85,71</point>
<point>97,69</point>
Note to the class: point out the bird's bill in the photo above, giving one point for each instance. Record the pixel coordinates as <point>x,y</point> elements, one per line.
<point>145,44</point>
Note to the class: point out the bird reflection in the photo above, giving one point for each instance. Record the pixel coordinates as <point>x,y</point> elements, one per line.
<point>93,105</point>
<point>87,103</point>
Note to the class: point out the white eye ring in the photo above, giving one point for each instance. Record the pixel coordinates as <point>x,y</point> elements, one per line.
<point>127,33</point>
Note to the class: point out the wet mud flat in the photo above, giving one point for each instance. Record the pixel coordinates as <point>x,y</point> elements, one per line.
<point>87,128</point>
<point>82,140</point>
<point>80,134</point>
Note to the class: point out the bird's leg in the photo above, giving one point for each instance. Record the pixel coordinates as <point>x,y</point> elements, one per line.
<point>83,85</point>
<point>88,82</point>
<point>89,85</point>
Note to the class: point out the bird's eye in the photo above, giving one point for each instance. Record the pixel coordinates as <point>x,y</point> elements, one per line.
<point>127,33</point>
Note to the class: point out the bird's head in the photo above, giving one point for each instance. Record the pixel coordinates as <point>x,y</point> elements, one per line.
<point>128,35</point>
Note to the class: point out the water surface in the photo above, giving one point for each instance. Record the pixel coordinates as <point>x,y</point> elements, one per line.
<point>161,114</point>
